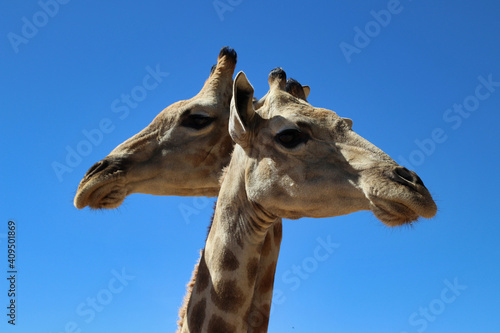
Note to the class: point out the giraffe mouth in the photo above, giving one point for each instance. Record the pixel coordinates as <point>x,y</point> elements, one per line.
<point>102,187</point>
<point>393,214</point>
<point>108,197</point>
<point>405,207</point>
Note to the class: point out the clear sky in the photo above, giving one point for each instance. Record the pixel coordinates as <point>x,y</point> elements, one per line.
<point>420,79</point>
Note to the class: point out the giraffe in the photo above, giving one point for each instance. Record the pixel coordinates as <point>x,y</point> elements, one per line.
<point>259,313</point>
<point>290,160</point>
<point>169,150</point>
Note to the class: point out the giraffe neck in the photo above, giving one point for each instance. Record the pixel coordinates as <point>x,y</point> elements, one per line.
<point>221,298</point>
<point>260,310</point>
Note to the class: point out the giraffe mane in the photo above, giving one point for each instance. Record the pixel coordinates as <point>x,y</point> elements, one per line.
<point>190,285</point>
<point>189,291</point>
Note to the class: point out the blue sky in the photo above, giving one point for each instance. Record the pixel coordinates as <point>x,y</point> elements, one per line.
<point>420,79</point>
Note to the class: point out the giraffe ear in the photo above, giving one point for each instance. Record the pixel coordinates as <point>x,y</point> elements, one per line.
<point>242,111</point>
<point>348,121</point>
<point>307,90</point>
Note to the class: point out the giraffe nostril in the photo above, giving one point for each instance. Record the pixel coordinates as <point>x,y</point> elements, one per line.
<point>403,175</point>
<point>99,166</point>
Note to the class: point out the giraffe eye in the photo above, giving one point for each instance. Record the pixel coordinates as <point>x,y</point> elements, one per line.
<point>197,121</point>
<point>291,138</point>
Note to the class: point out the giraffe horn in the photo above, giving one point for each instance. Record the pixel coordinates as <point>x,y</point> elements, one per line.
<point>277,79</point>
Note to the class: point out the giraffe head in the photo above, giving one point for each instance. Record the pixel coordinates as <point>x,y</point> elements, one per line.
<point>302,161</point>
<point>182,151</point>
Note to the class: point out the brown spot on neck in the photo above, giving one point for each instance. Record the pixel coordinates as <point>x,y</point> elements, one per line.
<point>278,233</point>
<point>219,325</point>
<point>267,281</point>
<point>203,275</point>
<point>267,246</point>
<point>229,261</point>
<point>252,268</point>
<point>227,296</point>
<point>196,316</point>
